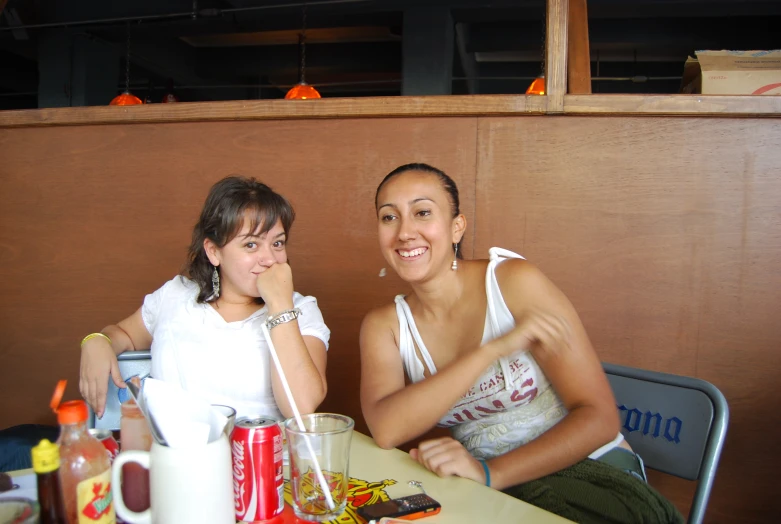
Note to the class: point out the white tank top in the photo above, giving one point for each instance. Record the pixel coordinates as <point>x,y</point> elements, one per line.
<point>496,415</point>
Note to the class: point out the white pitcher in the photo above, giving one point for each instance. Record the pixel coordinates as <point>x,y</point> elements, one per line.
<point>187,485</point>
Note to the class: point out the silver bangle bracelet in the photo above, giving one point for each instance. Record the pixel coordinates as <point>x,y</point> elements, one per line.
<point>281,318</point>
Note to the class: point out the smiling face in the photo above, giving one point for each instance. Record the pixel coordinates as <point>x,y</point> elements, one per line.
<point>244,257</point>
<point>416,226</point>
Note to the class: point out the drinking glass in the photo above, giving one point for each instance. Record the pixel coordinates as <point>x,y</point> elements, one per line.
<point>323,448</point>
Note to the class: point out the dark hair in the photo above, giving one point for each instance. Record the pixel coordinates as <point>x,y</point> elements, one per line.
<point>230,201</point>
<point>447,184</point>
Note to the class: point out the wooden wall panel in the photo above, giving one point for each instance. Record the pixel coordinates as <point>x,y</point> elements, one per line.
<point>95,217</point>
<point>666,235</point>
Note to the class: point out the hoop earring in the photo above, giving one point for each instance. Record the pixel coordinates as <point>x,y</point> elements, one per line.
<point>454,265</point>
<point>215,283</point>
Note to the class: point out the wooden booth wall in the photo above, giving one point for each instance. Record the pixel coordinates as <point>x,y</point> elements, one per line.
<point>665,232</point>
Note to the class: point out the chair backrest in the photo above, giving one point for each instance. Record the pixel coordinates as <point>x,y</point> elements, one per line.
<point>676,424</point>
<point>131,363</point>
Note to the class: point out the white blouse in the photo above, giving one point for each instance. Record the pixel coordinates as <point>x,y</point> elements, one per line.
<point>222,362</point>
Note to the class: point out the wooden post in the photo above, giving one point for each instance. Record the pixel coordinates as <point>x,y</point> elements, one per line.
<point>556,54</point>
<point>579,53</point>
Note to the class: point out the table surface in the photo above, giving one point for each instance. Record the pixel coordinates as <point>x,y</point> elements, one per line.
<point>377,474</point>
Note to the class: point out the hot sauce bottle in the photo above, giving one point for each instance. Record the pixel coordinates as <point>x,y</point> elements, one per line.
<point>85,470</point>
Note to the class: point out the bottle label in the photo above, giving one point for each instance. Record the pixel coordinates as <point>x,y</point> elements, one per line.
<point>95,500</point>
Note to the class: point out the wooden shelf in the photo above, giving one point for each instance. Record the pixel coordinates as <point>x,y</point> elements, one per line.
<point>369,107</point>
<point>389,107</point>
<point>682,105</point>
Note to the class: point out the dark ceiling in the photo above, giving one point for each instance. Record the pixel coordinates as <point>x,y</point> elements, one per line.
<point>244,49</point>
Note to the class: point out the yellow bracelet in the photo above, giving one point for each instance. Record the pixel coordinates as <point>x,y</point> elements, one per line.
<point>95,335</point>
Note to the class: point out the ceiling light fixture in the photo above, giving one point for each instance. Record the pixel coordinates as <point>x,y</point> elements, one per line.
<point>126,98</point>
<point>169,96</point>
<point>302,90</point>
<point>537,86</point>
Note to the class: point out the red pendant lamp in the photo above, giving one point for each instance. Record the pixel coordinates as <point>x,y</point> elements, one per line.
<point>169,97</point>
<point>302,90</point>
<point>126,98</point>
<point>537,87</point>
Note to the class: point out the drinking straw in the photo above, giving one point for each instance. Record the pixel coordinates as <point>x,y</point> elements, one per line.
<point>297,415</point>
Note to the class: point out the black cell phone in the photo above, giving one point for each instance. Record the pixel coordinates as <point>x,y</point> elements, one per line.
<point>406,508</point>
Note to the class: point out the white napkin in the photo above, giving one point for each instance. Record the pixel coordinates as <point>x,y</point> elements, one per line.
<point>185,420</point>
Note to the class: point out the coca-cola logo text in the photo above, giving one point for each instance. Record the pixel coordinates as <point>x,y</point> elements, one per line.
<point>238,477</point>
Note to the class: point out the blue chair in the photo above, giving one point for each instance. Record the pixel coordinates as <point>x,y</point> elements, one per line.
<point>676,424</point>
<point>131,363</point>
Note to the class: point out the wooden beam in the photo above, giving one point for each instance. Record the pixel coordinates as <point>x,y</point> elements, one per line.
<point>674,105</point>
<point>326,35</point>
<point>556,54</point>
<point>579,55</point>
<point>369,107</point>
<point>706,106</point>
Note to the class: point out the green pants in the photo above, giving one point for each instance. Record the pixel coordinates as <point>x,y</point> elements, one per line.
<point>594,492</point>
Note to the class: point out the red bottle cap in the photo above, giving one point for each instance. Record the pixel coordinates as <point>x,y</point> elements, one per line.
<point>72,412</point>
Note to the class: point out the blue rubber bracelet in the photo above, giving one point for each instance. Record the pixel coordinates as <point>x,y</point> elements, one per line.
<point>487,472</point>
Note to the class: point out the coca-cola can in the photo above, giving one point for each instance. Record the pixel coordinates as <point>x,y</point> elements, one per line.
<point>258,486</point>
<point>106,437</point>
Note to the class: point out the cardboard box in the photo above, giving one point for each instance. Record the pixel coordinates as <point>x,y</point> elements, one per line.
<point>733,73</point>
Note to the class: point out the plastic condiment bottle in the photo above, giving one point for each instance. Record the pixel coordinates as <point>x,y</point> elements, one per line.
<point>134,435</point>
<point>85,470</point>
<point>46,464</point>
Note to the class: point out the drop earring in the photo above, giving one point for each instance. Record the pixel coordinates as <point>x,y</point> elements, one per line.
<point>215,283</point>
<point>454,265</point>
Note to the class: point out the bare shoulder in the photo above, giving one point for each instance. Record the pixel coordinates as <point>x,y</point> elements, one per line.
<point>379,322</point>
<point>380,316</point>
<point>519,272</point>
<point>524,285</point>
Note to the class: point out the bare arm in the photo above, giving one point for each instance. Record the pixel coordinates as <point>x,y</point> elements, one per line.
<point>129,334</point>
<point>303,359</point>
<point>574,371</point>
<point>394,413</point>
<point>99,358</point>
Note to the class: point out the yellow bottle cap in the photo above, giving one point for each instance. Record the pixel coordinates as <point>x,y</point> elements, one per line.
<point>46,457</point>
